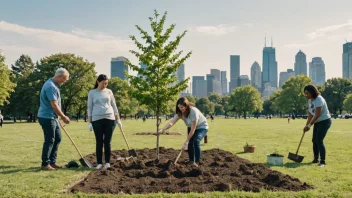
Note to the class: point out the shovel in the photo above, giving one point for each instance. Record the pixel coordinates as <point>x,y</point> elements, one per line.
<point>131,152</point>
<point>178,157</point>
<point>84,162</point>
<point>295,157</point>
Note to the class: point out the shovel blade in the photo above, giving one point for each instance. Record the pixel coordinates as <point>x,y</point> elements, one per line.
<point>132,153</point>
<point>295,158</point>
<point>85,163</point>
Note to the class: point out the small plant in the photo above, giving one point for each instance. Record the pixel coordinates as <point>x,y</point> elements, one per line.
<point>276,153</point>
<point>247,145</point>
<point>249,148</point>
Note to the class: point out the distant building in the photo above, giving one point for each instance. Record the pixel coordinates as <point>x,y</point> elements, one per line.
<point>317,71</point>
<point>300,64</point>
<point>213,85</point>
<point>256,76</point>
<point>284,76</point>
<point>270,73</point>
<point>347,60</point>
<point>234,71</point>
<point>119,67</point>
<point>224,83</point>
<point>199,87</point>
<point>268,91</point>
<point>243,80</point>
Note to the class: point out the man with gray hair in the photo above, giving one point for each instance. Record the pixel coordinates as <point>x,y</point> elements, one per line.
<point>49,110</point>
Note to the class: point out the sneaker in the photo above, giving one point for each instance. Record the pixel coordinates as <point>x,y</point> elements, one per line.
<point>107,165</point>
<point>315,161</point>
<point>54,165</point>
<point>321,164</point>
<point>48,168</point>
<point>99,166</point>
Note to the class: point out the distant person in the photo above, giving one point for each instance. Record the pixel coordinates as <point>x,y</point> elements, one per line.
<point>1,120</point>
<point>197,128</point>
<point>288,119</point>
<point>212,117</point>
<point>319,116</point>
<point>49,110</point>
<point>102,118</point>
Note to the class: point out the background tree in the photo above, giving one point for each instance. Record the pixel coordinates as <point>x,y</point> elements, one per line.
<point>158,52</point>
<point>347,103</point>
<point>22,69</point>
<point>292,98</point>
<point>82,77</point>
<point>215,98</point>
<point>204,106</point>
<point>335,92</point>
<point>191,99</point>
<point>6,85</point>
<point>245,99</point>
<point>121,90</point>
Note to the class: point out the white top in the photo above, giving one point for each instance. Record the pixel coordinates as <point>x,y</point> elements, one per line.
<point>319,102</point>
<point>194,114</point>
<point>101,104</point>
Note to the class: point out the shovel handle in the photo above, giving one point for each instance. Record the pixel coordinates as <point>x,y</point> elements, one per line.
<point>178,157</point>
<point>68,135</point>
<point>124,137</point>
<point>299,145</point>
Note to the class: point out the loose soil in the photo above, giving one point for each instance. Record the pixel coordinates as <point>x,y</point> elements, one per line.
<point>153,133</point>
<point>219,171</point>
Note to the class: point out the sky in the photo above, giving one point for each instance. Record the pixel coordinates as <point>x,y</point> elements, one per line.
<point>100,30</point>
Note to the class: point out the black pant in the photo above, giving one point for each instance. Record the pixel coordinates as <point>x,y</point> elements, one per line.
<point>319,132</point>
<point>52,139</point>
<point>1,121</point>
<point>103,130</point>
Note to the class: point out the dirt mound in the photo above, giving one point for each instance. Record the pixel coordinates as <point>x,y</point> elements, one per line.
<point>219,171</point>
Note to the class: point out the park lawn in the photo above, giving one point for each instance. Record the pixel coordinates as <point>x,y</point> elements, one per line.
<point>21,144</point>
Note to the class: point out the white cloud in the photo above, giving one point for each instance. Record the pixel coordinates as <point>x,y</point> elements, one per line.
<point>249,24</point>
<point>97,47</point>
<point>326,31</point>
<point>217,30</point>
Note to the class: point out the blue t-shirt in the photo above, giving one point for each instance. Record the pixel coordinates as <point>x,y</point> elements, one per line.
<point>50,91</point>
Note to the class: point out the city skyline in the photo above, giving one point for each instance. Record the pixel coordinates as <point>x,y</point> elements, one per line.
<point>43,28</point>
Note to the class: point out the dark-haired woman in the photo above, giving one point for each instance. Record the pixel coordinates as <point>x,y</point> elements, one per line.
<point>197,127</point>
<point>102,118</point>
<point>319,116</point>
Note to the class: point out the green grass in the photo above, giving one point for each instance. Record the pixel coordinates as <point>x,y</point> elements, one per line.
<point>21,144</point>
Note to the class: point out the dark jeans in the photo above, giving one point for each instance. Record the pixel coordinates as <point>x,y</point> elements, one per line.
<point>194,144</point>
<point>52,139</point>
<point>319,132</point>
<point>103,130</point>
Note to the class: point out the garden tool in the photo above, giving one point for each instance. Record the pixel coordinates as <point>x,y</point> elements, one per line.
<point>84,162</point>
<point>296,157</point>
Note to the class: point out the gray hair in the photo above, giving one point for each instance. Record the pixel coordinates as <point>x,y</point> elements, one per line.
<point>61,71</point>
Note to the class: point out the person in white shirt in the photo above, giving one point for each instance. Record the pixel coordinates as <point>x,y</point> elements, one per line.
<point>197,128</point>
<point>319,116</point>
<point>102,118</point>
<point>1,120</point>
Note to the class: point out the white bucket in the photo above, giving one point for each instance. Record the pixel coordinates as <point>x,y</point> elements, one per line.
<point>275,161</point>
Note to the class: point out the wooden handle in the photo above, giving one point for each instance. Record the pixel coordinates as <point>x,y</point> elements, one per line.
<point>300,142</point>
<point>70,138</point>
<point>179,155</point>
<point>124,137</point>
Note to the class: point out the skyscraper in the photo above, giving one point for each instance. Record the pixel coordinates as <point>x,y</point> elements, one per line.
<point>216,74</point>
<point>180,73</point>
<point>118,67</point>
<point>347,60</point>
<point>243,80</point>
<point>256,76</point>
<point>300,63</point>
<point>284,76</point>
<point>223,82</point>
<point>213,85</point>
<point>234,71</point>
<point>143,66</point>
<point>317,71</point>
<point>199,86</point>
<point>269,73</point>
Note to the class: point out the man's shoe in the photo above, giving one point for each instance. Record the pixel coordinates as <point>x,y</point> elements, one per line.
<point>54,165</point>
<point>48,168</point>
<point>321,164</point>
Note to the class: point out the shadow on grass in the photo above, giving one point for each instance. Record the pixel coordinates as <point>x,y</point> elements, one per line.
<point>240,153</point>
<point>37,169</point>
<point>6,167</point>
<point>295,164</point>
